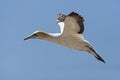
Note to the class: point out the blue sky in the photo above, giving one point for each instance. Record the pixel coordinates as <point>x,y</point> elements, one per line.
<point>41,60</point>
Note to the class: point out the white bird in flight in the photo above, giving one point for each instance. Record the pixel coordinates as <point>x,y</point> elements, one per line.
<point>71,29</point>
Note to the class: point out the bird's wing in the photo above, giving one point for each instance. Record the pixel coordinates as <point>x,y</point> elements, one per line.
<point>74,23</point>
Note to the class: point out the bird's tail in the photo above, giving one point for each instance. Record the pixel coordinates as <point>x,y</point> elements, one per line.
<point>99,58</point>
<point>92,51</point>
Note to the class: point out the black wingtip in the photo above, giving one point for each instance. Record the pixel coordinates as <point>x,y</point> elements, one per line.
<point>100,58</point>
<point>76,15</point>
<point>73,13</point>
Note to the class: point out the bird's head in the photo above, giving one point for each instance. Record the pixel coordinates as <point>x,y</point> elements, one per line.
<point>37,35</point>
<point>61,18</point>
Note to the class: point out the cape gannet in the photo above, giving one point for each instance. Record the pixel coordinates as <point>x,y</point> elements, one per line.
<point>71,29</point>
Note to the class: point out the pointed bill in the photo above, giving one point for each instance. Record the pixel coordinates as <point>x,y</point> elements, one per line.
<point>29,37</point>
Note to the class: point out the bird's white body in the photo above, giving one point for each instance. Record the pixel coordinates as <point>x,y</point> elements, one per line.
<point>74,41</point>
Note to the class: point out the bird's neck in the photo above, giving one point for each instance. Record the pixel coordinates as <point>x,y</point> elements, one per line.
<point>52,37</point>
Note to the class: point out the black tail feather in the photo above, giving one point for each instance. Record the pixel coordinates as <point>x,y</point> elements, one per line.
<point>95,54</point>
<point>99,58</point>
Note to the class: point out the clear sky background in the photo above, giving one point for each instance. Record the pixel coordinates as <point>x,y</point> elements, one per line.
<point>41,60</point>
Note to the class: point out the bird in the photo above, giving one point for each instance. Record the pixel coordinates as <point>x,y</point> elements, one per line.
<point>70,35</point>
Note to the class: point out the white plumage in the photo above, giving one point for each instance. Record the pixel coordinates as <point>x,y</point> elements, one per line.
<point>71,29</point>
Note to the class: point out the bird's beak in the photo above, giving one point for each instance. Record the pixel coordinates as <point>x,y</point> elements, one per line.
<point>29,37</point>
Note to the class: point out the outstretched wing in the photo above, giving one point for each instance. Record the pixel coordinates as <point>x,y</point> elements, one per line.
<point>72,22</point>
